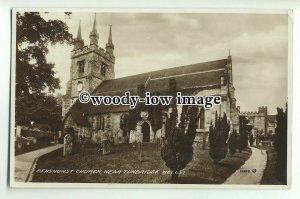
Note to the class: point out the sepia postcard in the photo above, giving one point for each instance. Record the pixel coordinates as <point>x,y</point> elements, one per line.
<point>151,98</point>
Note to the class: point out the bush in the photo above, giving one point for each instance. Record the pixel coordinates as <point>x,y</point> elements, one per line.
<point>218,136</point>
<point>251,139</point>
<point>177,151</point>
<point>280,145</point>
<point>244,132</point>
<point>233,142</point>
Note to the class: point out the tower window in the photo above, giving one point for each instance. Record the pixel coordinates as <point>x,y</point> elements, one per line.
<point>103,69</point>
<point>81,66</point>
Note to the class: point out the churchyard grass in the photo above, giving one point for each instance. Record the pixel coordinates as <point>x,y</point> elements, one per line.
<point>269,176</point>
<point>200,170</point>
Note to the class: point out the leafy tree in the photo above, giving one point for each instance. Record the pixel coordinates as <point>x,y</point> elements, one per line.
<point>280,144</point>
<point>43,110</point>
<point>218,135</point>
<point>33,35</point>
<point>34,75</point>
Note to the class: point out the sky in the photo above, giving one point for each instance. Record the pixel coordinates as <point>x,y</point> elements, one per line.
<point>151,41</point>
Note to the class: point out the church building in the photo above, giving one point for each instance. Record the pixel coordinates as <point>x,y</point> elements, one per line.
<point>92,70</point>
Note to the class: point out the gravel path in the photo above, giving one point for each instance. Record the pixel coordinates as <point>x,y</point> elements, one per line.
<point>252,171</point>
<point>25,162</point>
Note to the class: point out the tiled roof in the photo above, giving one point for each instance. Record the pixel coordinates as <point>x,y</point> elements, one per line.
<point>187,81</point>
<point>199,75</point>
<point>79,118</point>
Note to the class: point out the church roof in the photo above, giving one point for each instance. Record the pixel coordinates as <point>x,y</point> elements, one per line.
<point>200,75</point>
<point>79,118</point>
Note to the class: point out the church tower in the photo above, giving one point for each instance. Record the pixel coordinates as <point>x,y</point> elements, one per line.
<point>233,109</point>
<point>90,65</point>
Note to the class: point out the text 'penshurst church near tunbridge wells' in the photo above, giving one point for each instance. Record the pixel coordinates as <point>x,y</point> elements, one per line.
<point>92,70</point>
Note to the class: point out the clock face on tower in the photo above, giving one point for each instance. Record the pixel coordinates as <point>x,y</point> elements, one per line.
<point>79,86</point>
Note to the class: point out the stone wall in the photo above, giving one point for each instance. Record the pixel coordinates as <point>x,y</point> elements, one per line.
<point>222,108</point>
<point>112,120</point>
<point>78,130</point>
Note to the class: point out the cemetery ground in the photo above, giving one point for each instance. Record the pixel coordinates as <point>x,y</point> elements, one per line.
<point>201,170</point>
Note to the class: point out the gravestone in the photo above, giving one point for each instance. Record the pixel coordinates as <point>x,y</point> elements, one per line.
<point>55,139</point>
<point>139,141</point>
<point>105,142</point>
<point>18,131</point>
<point>20,145</point>
<point>68,145</point>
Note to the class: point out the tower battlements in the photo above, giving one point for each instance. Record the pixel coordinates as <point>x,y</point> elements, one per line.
<point>262,111</point>
<point>86,50</point>
<point>90,65</point>
<point>251,114</point>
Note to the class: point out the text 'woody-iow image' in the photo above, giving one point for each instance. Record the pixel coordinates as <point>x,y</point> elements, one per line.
<point>150,98</point>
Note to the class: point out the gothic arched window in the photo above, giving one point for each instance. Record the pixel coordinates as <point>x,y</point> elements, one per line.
<point>202,118</point>
<point>103,69</point>
<point>124,124</point>
<point>100,123</point>
<point>81,66</point>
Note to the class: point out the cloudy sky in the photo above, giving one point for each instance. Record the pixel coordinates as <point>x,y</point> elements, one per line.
<point>153,41</point>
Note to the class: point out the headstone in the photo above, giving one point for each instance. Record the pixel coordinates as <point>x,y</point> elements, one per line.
<point>55,139</point>
<point>68,145</point>
<point>18,131</point>
<point>19,145</point>
<point>132,136</point>
<point>139,134</point>
<point>105,142</point>
<point>139,141</point>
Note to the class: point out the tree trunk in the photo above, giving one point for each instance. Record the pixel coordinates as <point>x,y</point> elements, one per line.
<point>174,177</point>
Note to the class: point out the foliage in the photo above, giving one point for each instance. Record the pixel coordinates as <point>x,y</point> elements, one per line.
<point>280,144</point>
<point>133,118</point>
<point>155,117</point>
<point>43,110</point>
<point>34,75</point>
<point>33,35</point>
<point>218,135</point>
<point>233,142</point>
<point>245,129</point>
<point>177,152</point>
<point>251,139</point>
<point>134,114</point>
